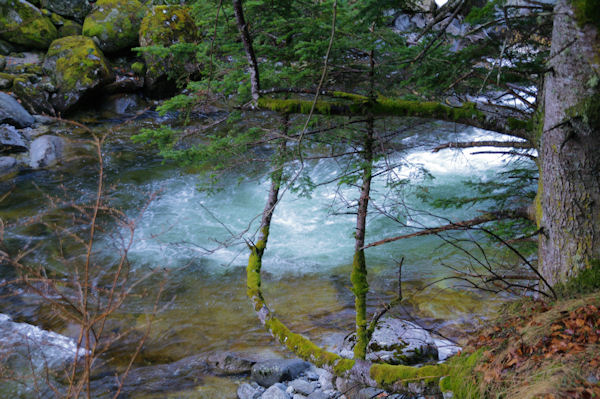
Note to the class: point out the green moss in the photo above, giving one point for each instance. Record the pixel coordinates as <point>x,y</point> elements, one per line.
<point>76,63</point>
<point>342,366</point>
<point>350,96</point>
<point>6,80</point>
<point>388,376</point>
<point>587,12</point>
<point>139,68</point>
<point>588,111</point>
<point>69,28</point>
<point>167,25</point>
<point>462,380</point>
<point>31,28</point>
<point>586,281</point>
<point>360,287</point>
<point>114,24</point>
<point>304,348</point>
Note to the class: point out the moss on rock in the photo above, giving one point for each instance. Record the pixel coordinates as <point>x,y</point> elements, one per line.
<point>165,26</point>
<point>24,24</point>
<point>76,66</point>
<point>114,24</point>
<point>76,9</point>
<point>69,28</point>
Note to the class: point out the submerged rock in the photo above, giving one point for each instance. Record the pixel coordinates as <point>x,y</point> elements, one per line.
<point>24,24</point>
<point>166,26</point>
<point>269,372</point>
<point>77,66</point>
<point>46,151</point>
<point>114,24</point>
<point>8,166</point>
<point>13,113</point>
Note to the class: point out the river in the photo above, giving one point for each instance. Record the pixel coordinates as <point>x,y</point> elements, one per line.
<point>180,236</point>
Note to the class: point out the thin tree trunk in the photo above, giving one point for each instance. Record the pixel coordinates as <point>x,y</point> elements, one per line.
<point>249,49</point>
<point>568,202</point>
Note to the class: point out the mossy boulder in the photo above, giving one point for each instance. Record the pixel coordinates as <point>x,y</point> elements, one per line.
<point>166,26</point>
<point>24,24</point>
<point>33,97</point>
<point>69,28</point>
<point>77,67</point>
<point>66,27</point>
<point>74,9</point>
<point>114,24</point>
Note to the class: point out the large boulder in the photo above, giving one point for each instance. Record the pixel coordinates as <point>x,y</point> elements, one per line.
<point>165,26</point>
<point>114,24</point>
<point>13,113</point>
<point>396,341</point>
<point>23,23</point>
<point>77,67</point>
<point>74,9</point>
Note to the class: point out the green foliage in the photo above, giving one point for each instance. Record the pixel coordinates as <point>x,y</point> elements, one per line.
<point>480,15</point>
<point>587,12</point>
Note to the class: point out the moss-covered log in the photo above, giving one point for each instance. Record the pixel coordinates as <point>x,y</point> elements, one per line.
<point>471,114</point>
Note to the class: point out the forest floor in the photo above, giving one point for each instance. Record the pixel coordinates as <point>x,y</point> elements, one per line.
<point>534,349</point>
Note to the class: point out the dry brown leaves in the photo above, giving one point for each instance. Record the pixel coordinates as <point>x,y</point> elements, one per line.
<point>572,337</point>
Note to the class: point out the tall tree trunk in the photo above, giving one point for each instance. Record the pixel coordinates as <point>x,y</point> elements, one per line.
<point>360,285</point>
<point>249,49</point>
<point>568,202</point>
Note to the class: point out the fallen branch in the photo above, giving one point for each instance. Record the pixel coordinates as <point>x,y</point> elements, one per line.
<point>462,225</point>
<point>471,144</point>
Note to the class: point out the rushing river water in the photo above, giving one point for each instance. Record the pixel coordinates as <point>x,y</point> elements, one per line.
<point>180,237</point>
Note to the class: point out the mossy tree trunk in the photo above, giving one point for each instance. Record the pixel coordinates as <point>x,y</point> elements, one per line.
<point>360,285</point>
<point>569,191</point>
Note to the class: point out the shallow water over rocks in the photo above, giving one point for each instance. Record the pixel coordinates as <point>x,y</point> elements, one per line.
<point>203,307</point>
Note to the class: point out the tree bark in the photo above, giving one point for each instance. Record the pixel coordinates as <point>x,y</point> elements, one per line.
<point>568,202</point>
<point>249,49</point>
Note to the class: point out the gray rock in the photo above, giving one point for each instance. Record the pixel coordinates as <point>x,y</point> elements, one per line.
<point>6,48</point>
<point>2,62</point>
<point>46,151</point>
<point>318,394</point>
<point>13,113</point>
<point>275,392</point>
<point>76,9</point>
<point>229,363</point>
<point>33,97</point>
<point>269,372</point>
<point>298,396</point>
<point>369,393</point>
<point>303,387</point>
<point>6,81</point>
<point>8,166</point>
<point>445,348</point>
<point>311,376</point>
<point>396,341</point>
<point>11,140</point>
<point>247,391</point>
<point>325,379</point>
